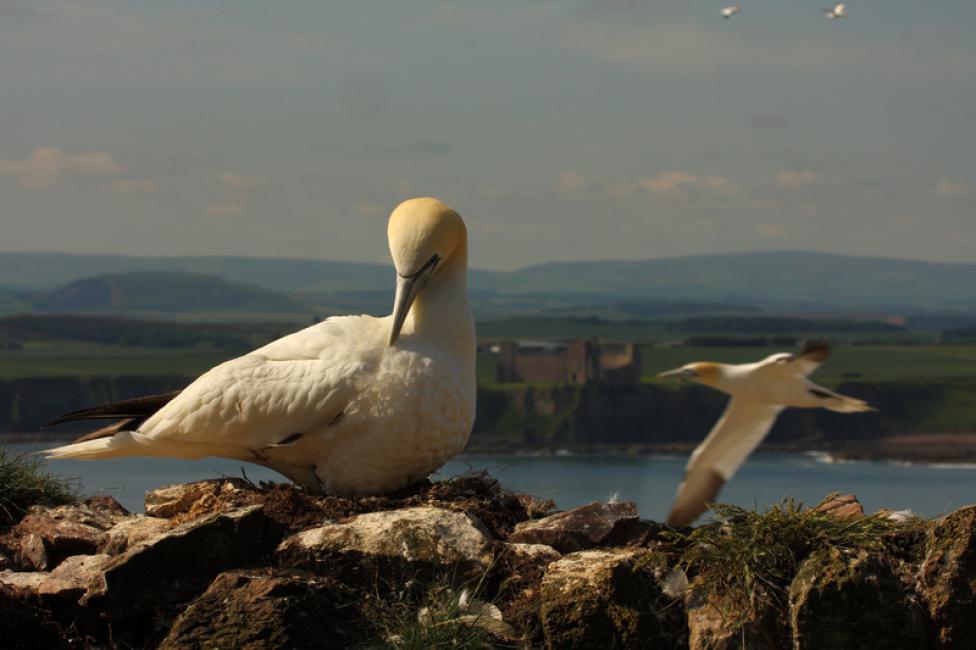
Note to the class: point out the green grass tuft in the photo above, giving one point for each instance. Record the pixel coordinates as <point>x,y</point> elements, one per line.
<point>25,481</point>
<point>431,616</point>
<point>748,558</point>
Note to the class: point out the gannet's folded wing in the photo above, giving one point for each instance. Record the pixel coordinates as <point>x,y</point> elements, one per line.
<point>737,433</point>
<point>329,339</point>
<point>294,385</point>
<point>272,396</point>
<point>254,402</point>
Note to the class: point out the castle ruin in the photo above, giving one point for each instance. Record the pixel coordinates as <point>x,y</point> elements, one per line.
<point>576,362</point>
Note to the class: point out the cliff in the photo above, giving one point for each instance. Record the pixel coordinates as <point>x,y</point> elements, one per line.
<point>600,416</point>
<point>466,563</point>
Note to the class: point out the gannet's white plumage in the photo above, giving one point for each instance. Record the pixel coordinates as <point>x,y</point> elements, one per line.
<point>728,12</point>
<point>759,391</point>
<point>839,10</point>
<point>351,405</point>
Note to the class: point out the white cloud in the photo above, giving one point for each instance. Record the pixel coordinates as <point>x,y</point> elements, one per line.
<point>369,209</point>
<point>571,182</point>
<point>795,179</point>
<point>680,186</point>
<point>143,187</point>
<point>770,230</point>
<point>50,166</point>
<point>238,181</point>
<point>405,187</point>
<point>225,209</point>
<point>948,188</point>
<point>668,185</point>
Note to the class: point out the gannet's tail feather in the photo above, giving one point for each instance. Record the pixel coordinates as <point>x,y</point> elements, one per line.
<point>133,443</point>
<point>121,443</point>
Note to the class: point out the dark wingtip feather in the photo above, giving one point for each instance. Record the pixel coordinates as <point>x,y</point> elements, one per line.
<point>139,408</point>
<point>816,349</point>
<point>110,430</point>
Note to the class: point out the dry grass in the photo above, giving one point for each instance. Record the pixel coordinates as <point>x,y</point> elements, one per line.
<point>24,482</point>
<point>748,556</point>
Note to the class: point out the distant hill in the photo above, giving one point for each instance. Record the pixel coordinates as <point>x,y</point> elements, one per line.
<point>167,292</point>
<point>772,280</point>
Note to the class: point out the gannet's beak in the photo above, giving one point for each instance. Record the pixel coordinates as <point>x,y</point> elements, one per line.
<point>408,287</point>
<point>678,373</point>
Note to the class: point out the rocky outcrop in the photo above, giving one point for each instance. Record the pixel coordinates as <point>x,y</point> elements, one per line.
<point>225,563</point>
<point>717,624</point>
<point>420,539</point>
<point>46,536</point>
<point>841,506</point>
<point>269,608</point>
<point>190,500</point>
<point>26,624</point>
<point>589,526</point>
<point>608,598</point>
<point>855,599</point>
<point>947,578</point>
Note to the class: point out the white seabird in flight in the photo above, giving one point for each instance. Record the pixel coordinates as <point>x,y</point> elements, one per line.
<point>759,391</point>
<point>839,10</point>
<point>728,12</point>
<point>351,405</point>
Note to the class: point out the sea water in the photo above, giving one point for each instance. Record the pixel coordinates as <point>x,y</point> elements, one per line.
<point>572,480</point>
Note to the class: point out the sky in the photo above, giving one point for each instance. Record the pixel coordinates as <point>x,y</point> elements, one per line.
<point>560,130</point>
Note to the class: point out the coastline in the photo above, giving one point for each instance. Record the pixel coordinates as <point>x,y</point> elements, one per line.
<point>921,448</point>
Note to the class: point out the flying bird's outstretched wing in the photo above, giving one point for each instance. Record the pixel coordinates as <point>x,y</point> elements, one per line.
<point>804,364</point>
<point>737,433</point>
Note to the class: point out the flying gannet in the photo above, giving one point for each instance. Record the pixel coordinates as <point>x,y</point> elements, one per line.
<point>839,10</point>
<point>351,405</point>
<point>759,391</point>
<point>728,12</point>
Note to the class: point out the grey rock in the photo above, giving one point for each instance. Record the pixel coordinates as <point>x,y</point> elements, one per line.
<point>588,526</point>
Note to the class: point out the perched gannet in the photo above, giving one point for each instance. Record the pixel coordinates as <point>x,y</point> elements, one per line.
<point>351,405</point>
<point>759,391</point>
<point>837,11</point>
<point>728,12</point>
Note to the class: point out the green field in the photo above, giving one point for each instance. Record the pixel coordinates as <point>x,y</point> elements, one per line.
<point>848,363</point>
<point>660,331</point>
<point>92,360</point>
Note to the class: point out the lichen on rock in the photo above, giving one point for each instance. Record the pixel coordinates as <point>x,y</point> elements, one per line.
<point>608,598</point>
<point>419,539</point>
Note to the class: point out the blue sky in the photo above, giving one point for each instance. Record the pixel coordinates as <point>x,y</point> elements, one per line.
<point>600,129</point>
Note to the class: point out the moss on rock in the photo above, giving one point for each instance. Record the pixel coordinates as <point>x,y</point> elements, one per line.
<point>854,599</point>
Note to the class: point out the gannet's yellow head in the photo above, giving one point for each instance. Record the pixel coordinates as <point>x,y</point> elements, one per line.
<point>702,372</point>
<point>426,237</point>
